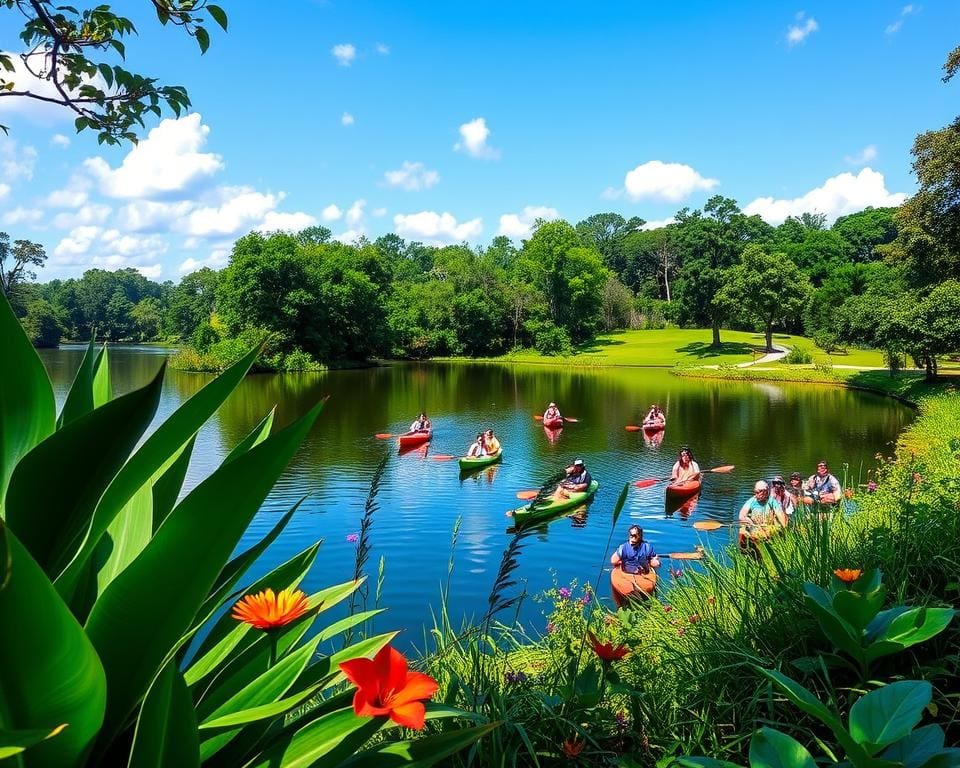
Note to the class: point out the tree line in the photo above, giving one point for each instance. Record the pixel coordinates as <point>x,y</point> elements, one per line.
<point>884,277</point>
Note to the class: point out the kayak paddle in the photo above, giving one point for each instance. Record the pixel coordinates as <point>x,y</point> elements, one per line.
<point>384,435</point>
<point>684,555</point>
<point>654,480</point>
<point>709,525</point>
<point>633,428</point>
<point>442,457</point>
<point>572,420</point>
<point>527,495</point>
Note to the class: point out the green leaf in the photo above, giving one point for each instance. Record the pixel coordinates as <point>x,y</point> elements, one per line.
<point>14,742</point>
<point>266,689</point>
<point>259,433</point>
<point>702,762</point>
<point>838,631</point>
<point>106,72</point>
<point>146,610</point>
<point>101,388</point>
<point>917,747</point>
<point>155,452</point>
<point>166,490</point>
<point>51,518</point>
<point>771,749</point>
<point>166,732</point>
<point>203,39</point>
<point>914,626</point>
<point>218,16</point>
<point>49,671</point>
<point>27,409</point>
<point>858,610</point>
<point>620,502</point>
<point>888,714</point>
<point>79,400</point>
<point>419,753</point>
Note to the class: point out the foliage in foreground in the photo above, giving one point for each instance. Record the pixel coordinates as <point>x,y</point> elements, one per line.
<point>115,649</point>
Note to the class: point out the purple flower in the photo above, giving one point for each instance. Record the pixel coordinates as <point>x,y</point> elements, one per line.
<point>565,592</point>
<point>352,537</point>
<point>585,600</point>
<point>871,486</point>
<point>677,573</point>
<point>515,678</point>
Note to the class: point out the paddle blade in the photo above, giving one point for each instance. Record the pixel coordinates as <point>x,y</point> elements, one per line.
<point>384,435</point>
<point>686,555</point>
<point>527,495</point>
<point>538,417</point>
<point>646,483</point>
<point>442,457</point>
<point>632,428</point>
<point>570,419</point>
<point>707,525</point>
<point>722,470</point>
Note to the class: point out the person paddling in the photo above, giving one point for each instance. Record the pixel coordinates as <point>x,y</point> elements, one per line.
<point>823,486</point>
<point>636,555</point>
<point>654,417</point>
<point>491,444</point>
<point>422,424</point>
<point>779,492</point>
<point>760,515</point>
<point>685,469</point>
<point>577,481</point>
<point>478,448</point>
<point>552,414</point>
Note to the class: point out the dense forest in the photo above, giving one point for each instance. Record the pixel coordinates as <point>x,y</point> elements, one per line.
<point>884,278</point>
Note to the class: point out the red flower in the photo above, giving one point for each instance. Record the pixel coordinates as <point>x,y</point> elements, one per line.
<point>607,651</point>
<point>711,600</point>
<point>848,575</point>
<point>694,618</point>
<point>667,608</point>
<point>386,687</point>
<point>572,748</point>
<point>266,610</point>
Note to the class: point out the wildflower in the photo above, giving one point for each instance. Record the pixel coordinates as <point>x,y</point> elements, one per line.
<point>550,627</point>
<point>516,678</point>
<point>585,600</point>
<point>917,477</point>
<point>572,747</point>
<point>681,632</point>
<point>711,600</point>
<point>352,537</point>
<point>847,575</point>
<point>871,486</point>
<point>565,593</point>
<point>607,652</point>
<point>386,687</point>
<point>694,618</point>
<point>266,610</point>
<point>667,608</point>
<point>676,573</point>
<point>848,493</point>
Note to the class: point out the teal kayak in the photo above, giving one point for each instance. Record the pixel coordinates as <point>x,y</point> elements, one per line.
<point>552,506</point>
<point>476,462</point>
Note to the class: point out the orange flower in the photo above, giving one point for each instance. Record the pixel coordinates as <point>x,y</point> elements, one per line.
<point>847,575</point>
<point>848,493</point>
<point>607,651</point>
<point>572,748</point>
<point>265,610</point>
<point>386,687</point>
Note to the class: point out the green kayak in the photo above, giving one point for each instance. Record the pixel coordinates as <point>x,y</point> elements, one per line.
<point>550,507</point>
<point>476,462</point>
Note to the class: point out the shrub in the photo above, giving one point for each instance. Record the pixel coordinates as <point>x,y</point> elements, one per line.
<point>798,356</point>
<point>550,339</point>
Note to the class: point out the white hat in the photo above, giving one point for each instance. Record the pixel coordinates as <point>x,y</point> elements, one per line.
<point>578,462</point>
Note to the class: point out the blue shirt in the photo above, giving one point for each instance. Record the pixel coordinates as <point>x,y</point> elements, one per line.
<point>636,559</point>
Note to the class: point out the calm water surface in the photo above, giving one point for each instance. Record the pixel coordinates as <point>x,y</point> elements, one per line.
<point>762,428</point>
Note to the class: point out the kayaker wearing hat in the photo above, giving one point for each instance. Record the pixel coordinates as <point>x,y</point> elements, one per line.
<point>778,491</point>
<point>578,479</point>
<point>552,413</point>
<point>686,468</point>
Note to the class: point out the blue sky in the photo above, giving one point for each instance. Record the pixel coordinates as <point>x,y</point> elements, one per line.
<point>446,122</point>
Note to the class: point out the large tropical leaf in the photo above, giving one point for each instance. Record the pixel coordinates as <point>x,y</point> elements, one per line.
<point>14,742</point>
<point>418,753</point>
<point>166,490</point>
<point>27,409</point>
<point>166,732</point>
<point>889,713</point>
<point>770,748</point>
<point>155,452</point>
<point>140,619</point>
<point>101,387</point>
<point>51,518</point>
<point>49,671</point>
<point>79,400</point>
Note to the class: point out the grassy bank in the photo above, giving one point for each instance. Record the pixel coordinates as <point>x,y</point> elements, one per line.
<point>689,683</point>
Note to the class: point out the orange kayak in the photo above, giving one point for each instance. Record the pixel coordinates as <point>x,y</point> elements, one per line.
<point>631,586</point>
<point>409,439</point>
<point>683,490</point>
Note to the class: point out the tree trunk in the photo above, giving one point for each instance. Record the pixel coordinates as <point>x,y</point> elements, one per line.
<point>768,332</point>
<point>716,334</point>
<point>666,281</point>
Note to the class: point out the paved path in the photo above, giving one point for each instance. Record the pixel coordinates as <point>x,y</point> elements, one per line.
<point>772,357</point>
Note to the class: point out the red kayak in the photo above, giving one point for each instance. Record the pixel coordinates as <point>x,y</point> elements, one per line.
<point>553,423</point>
<point>654,426</point>
<point>410,439</point>
<point>677,491</point>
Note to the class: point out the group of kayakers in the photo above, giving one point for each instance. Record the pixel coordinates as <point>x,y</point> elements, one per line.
<point>486,444</point>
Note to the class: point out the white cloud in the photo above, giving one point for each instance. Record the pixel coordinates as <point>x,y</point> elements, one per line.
<point>346,119</point>
<point>473,140</point>
<point>797,33</point>
<point>244,211</point>
<point>838,196</point>
<point>218,258</point>
<point>74,194</point>
<point>77,243</point>
<point>354,215</point>
<point>151,272</point>
<point>665,182</point>
<point>659,224</point>
<point>383,49</point>
<point>344,53</point>
<point>895,26</point>
<point>23,80</point>
<point>20,215</point>
<point>275,221</point>
<point>152,216</point>
<point>167,163</point>
<point>411,176</point>
<point>59,140</point>
<point>331,213</point>
<point>4,190</point>
<point>866,155</point>
<point>436,228</point>
<point>16,162</point>
<point>379,212</point>
<point>92,213</point>
<point>520,225</point>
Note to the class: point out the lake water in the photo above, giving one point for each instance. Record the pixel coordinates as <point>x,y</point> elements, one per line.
<point>762,428</point>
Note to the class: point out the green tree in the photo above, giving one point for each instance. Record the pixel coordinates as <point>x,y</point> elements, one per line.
<point>865,230</point>
<point>146,318</point>
<point>766,286</point>
<point>43,325</point>
<point>605,232</point>
<point>15,268</point>
<point>192,302</point>
<point>617,308</point>
<point>70,48</point>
